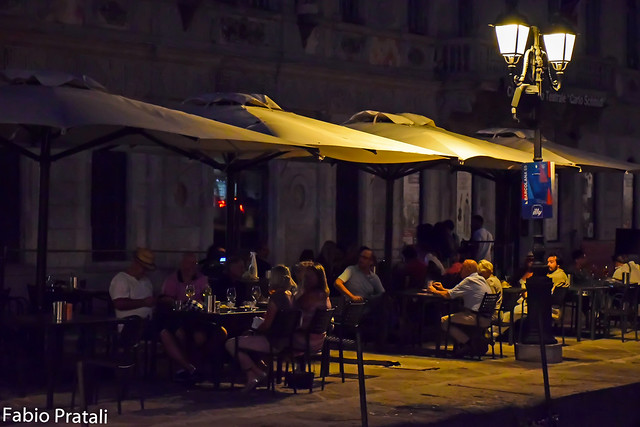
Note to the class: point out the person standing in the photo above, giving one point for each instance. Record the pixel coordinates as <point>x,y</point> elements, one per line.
<point>481,239</point>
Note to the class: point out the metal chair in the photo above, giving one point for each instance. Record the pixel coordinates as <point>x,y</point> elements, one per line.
<point>623,305</point>
<point>510,297</point>
<point>485,311</point>
<point>122,360</point>
<point>319,324</point>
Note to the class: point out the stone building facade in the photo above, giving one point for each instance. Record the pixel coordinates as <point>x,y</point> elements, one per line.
<point>326,59</point>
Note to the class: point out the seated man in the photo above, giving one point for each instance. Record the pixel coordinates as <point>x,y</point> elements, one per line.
<point>358,282</point>
<point>556,274</point>
<point>231,277</point>
<point>174,289</point>
<point>412,273</point>
<point>579,270</point>
<point>630,268</point>
<point>132,295</point>
<point>471,289</point>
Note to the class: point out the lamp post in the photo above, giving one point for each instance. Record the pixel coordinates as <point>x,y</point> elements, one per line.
<point>513,36</point>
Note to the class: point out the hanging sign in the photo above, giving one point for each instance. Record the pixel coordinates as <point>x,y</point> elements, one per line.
<point>537,190</point>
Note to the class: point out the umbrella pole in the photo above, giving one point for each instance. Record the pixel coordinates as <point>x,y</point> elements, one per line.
<point>231,236</point>
<point>388,227</point>
<point>43,216</point>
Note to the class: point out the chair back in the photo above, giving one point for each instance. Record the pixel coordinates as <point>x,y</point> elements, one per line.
<point>284,325</point>
<point>338,304</point>
<point>558,296</point>
<point>320,321</point>
<point>510,297</point>
<point>488,305</point>
<point>351,315</point>
<point>630,297</point>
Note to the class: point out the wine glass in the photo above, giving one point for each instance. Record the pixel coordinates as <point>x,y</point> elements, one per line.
<point>256,293</point>
<point>190,291</point>
<point>231,297</point>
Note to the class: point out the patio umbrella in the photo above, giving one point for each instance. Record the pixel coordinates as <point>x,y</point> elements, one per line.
<point>48,116</point>
<point>466,152</point>
<point>421,131</point>
<point>260,113</point>
<point>523,139</point>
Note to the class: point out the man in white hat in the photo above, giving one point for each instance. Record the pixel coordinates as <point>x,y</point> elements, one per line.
<point>132,295</point>
<point>131,291</point>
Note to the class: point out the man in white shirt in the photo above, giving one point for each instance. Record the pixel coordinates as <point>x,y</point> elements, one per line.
<point>481,239</point>
<point>131,291</point>
<point>132,295</point>
<point>471,289</point>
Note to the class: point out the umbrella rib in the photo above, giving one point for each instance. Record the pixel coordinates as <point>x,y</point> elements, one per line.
<point>94,143</point>
<point>193,155</point>
<point>15,147</point>
<point>240,164</point>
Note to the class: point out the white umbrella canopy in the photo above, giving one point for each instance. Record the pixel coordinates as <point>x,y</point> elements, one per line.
<point>421,131</point>
<point>77,110</point>
<point>47,116</point>
<point>523,139</point>
<point>260,113</point>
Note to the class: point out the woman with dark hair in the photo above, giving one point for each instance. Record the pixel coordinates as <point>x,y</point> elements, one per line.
<point>280,298</point>
<point>306,255</point>
<point>314,295</point>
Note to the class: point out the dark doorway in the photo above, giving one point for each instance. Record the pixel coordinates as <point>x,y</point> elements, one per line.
<point>10,199</point>
<point>347,209</point>
<point>108,206</point>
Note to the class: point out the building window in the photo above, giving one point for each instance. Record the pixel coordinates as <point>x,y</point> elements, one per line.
<point>10,196</point>
<point>632,34</point>
<point>350,11</point>
<point>465,18</point>
<point>108,206</point>
<point>417,16</point>
<point>592,27</point>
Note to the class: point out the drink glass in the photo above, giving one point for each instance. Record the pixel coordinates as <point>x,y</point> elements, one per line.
<point>231,297</point>
<point>256,293</point>
<point>190,291</point>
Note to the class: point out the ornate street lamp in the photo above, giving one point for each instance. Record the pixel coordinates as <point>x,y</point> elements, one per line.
<point>513,35</point>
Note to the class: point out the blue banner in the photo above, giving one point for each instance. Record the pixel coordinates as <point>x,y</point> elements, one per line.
<point>537,190</point>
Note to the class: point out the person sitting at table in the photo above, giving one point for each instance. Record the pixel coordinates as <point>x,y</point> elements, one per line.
<point>471,289</point>
<point>132,295</point>
<point>358,282</point>
<point>280,298</point>
<point>231,277</point>
<point>174,289</point>
<point>556,273</point>
<point>623,265</point>
<point>485,269</point>
<point>313,295</point>
<point>578,271</point>
<point>412,272</point>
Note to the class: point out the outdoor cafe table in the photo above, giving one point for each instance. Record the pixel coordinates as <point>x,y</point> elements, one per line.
<point>444,306</point>
<point>53,332</point>
<point>594,291</point>
<point>235,322</point>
